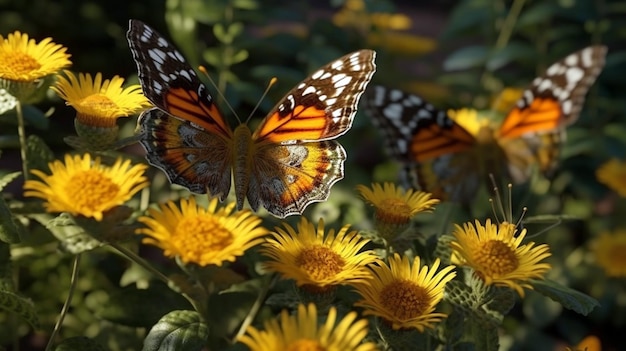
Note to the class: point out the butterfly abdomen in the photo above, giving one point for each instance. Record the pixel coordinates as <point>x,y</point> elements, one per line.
<point>243,153</point>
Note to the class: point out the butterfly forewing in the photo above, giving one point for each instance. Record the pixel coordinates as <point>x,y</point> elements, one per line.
<point>554,99</point>
<point>169,82</point>
<point>322,106</point>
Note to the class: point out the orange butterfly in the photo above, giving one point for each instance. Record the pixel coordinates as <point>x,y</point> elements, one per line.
<point>452,162</point>
<point>288,162</point>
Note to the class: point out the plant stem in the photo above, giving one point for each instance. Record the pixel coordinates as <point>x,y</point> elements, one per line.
<point>66,304</point>
<point>21,131</point>
<point>509,24</point>
<point>140,261</point>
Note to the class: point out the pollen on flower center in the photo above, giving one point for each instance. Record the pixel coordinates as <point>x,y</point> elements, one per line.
<point>393,211</point>
<point>20,63</point>
<point>200,234</point>
<point>90,189</point>
<point>320,262</point>
<point>404,299</point>
<point>305,345</point>
<point>497,257</point>
<point>98,102</point>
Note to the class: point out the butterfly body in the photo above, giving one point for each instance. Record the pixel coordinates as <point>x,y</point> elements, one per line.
<point>440,154</point>
<point>289,161</point>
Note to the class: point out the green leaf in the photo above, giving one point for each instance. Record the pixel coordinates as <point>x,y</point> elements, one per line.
<point>514,51</point>
<point>178,330</point>
<point>8,178</point>
<point>22,307</point>
<point>571,299</point>
<point>11,231</point>
<point>79,343</point>
<point>39,154</point>
<point>466,58</point>
<point>141,307</point>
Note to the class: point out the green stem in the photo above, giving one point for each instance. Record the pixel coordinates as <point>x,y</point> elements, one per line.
<point>21,131</point>
<point>509,23</point>
<point>140,261</point>
<point>66,304</point>
<point>255,308</point>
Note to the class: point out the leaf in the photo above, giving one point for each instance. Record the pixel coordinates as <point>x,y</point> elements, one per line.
<point>8,178</point>
<point>11,231</point>
<point>178,330</point>
<point>79,343</point>
<point>466,58</point>
<point>39,154</point>
<point>141,307</point>
<point>24,308</point>
<point>571,299</point>
<point>514,51</point>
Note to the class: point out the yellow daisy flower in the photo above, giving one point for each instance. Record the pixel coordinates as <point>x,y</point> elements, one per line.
<point>316,260</point>
<point>498,256</point>
<point>612,174</point>
<point>99,103</point>
<point>82,186</point>
<point>394,206</point>
<point>301,332</point>
<point>23,60</point>
<point>608,250</point>
<point>404,294</point>
<point>201,235</point>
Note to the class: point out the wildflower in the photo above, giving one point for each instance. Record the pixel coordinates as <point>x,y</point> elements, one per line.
<point>608,250</point>
<point>470,120</point>
<point>23,63</point>
<point>99,103</point>
<point>404,294</point>
<point>497,256</point>
<point>394,206</point>
<point>612,174</point>
<point>301,332</point>
<point>589,343</point>
<point>201,235</point>
<point>82,186</point>
<point>315,260</point>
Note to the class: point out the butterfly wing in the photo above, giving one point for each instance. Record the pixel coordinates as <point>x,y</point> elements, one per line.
<point>296,161</point>
<point>186,136</point>
<point>432,148</point>
<point>534,129</point>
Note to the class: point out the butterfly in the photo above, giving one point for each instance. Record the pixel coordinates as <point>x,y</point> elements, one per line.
<point>442,157</point>
<point>288,162</point>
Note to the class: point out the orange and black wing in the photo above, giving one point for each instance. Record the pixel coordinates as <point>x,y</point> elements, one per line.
<point>186,135</point>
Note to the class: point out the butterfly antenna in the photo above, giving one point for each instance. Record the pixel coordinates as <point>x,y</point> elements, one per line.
<point>219,91</point>
<point>267,89</point>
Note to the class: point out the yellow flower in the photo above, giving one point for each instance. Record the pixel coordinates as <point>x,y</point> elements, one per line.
<point>505,101</point>
<point>612,174</point>
<point>497,256</point>
<point>589,343</point>
<point>404,294</point>
<point>201,235</point>
<point>82,186</point>
<point>469,119</point>
<point>99,103</point>
<point>608,250</point>
<point>23,60</point>
<point>301,332</point>
<point>394,206</point>
<point>315,260</point>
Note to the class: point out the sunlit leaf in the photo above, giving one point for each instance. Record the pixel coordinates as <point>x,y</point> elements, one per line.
<point>177,331</point>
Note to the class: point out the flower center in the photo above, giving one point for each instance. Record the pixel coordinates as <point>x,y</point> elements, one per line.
<point>497,258</point>
<point>19,63</point>
<point>196,236</point>
<point>100,104</point>
<point>305,345</point>
<point>405,299</point>
<point>90,189</point>
<point>393,211</point>
<point>320,262</point>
